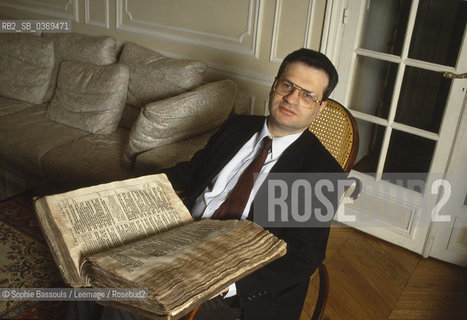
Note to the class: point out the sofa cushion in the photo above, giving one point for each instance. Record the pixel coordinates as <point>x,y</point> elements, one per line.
<point>174,119</point>
<point>170,154</point>
<point>89,97</point>
<point>26,64</point>
<point>99,50</point>
<point>154,77</point>
<point>25,136</point>
<point>86,161</point>
<point>8,106</point>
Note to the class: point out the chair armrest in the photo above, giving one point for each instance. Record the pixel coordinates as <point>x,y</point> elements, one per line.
<point>322,293</point>
<point>358,188</point>
<point>192,314</point>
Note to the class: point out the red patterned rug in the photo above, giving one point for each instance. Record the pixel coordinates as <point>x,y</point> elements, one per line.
<point>26,262</point>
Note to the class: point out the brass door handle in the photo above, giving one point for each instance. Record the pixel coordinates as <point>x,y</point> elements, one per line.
<point>451,75</point>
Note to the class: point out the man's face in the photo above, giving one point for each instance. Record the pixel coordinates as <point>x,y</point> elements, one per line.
<point>287,116</point>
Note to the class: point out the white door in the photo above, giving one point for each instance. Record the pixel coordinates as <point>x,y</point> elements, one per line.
<point>391,56</point>
<point>448,239</point>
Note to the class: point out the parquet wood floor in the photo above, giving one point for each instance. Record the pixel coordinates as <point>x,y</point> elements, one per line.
<point>373,279</point>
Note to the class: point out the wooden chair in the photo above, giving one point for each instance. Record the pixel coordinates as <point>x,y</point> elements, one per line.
<point>337,130</point>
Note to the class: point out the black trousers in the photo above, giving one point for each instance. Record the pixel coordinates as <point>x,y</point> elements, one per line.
<point>214,309</point>
<point>220,309</point>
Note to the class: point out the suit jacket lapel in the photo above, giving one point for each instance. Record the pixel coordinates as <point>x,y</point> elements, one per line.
<point>226,148</point>
<point>293,157</point>
<point>235,141</point>
<point>291,160</point>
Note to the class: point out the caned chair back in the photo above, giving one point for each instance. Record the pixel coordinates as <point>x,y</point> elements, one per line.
<point>337,130</point>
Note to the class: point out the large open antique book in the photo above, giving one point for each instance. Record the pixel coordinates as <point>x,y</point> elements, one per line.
<point>137,233</point>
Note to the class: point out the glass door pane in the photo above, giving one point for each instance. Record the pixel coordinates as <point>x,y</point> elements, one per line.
<point>422,99</point>
<point>371,139</point>
<point>438,31</point>
<point>408,153</point>
<point>373,86</point>
<point>385,26</point>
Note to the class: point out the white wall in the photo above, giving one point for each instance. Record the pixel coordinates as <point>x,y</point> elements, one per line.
<point>244,40</point>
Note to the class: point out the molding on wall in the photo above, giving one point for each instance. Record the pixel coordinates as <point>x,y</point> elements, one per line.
<point>87,15</point>
<point>193,37</point>
<point>309,24</point>
<point>333,30</point>
<point>59,11</point>
<point>275,34</point>
<point>238,39</point>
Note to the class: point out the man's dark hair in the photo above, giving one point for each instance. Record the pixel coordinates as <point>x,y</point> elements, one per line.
<point>316,60</point>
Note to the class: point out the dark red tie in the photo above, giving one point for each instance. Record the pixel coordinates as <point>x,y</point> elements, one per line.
<point>233,206</point>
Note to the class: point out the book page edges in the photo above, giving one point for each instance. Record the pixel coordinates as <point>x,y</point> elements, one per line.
<point>55,241</point>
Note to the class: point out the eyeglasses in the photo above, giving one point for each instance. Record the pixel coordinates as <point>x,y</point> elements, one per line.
<point>284,87</point>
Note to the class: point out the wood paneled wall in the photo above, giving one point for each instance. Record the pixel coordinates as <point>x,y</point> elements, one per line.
<point>244,40</point>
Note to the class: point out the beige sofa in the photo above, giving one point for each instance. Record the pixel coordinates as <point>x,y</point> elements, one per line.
<point>76,111</point>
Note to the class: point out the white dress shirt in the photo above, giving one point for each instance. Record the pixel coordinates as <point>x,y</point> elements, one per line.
<point>218,190</point>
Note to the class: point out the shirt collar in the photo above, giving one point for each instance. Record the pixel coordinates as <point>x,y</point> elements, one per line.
<point>279,144</point>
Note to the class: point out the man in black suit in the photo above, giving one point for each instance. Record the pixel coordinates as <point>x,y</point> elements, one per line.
<point>277,291</point>
<point>303,83</point>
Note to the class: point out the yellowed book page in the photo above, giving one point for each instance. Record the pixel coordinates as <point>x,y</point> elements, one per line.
<point>135,261</point>
<point>185,266</point>
<point>105,216</point>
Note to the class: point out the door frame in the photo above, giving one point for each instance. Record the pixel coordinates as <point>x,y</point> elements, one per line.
<point>344,17</point>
